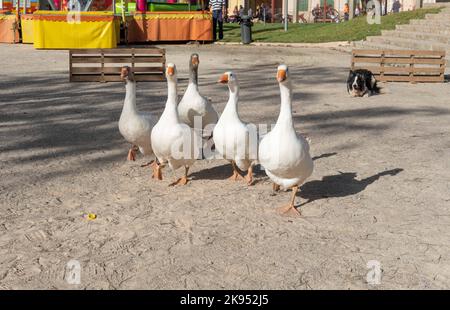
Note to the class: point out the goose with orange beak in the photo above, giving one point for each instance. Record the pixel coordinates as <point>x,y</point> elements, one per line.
<point>134,126</point>
<point>195,109</point>
<point>173,142</point>
<point>233,139</point>
<point>283,153</point>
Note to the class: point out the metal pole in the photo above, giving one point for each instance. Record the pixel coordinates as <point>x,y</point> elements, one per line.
<point>285,15</point>
<point>264,17</point>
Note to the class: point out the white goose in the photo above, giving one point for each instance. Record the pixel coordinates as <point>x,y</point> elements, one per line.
<point>232,138</point>
<point>282,152</point>
<point>134,126</point>
<point>193,104</point>
<point>173,142</point>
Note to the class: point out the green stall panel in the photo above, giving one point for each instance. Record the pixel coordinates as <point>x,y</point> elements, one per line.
<point>171,7</point>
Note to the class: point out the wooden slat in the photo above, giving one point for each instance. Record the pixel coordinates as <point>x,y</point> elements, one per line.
<point>430,70</point>
<point>400,60</point>
<point>116,78</point>
<point>407,78</point>
<point>109,70</point>
<point>363,52</point>
<point>367,59</point>
<point>143,51</point>
<point>400,52</point>
<point>149,78</point>
<point>117,59</point>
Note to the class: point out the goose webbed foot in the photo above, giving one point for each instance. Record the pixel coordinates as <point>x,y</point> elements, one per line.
<point>290,209</point>
<point>132,153</point>
<point>157,170</point>
<point>183,180</point>
<point>236,175</point>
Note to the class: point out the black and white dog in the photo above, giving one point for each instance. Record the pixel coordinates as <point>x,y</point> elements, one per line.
<point>361,83</point>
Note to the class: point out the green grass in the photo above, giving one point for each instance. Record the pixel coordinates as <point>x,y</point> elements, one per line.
<point>356,29</point>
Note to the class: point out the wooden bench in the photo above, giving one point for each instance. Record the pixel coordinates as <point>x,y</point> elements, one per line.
<point>414,66</point>
<point>103,65</point>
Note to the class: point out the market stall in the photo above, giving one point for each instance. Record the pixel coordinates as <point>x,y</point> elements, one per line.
<point>170,26</point>
<point>81,24</point>
<point>8,27</point>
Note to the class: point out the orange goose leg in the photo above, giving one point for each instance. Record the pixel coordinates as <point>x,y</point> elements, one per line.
<point>236,175</point>
<point>290,209</point>
<point>183,180</point>
<point>132,153</point>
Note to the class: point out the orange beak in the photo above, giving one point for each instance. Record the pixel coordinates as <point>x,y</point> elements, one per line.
<point>281,75</point>
<point>170,71</point>
<point>223,79</point>
<point>195,61</point>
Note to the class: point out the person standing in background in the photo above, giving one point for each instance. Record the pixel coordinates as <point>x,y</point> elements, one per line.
<point>346,11</point>
<point>217,7</point>
<point>396,6</point>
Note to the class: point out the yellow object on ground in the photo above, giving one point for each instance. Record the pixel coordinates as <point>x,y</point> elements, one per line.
<point>66,30</point>
<point>91,216</point>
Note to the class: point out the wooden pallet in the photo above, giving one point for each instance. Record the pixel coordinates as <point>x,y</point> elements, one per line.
<point>414,66</point>
<point>103,65</point>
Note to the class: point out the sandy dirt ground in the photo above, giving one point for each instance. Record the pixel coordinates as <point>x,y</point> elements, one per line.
<point>380,190</point>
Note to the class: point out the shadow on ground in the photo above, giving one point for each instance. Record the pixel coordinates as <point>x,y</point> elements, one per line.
<point>339,185</point>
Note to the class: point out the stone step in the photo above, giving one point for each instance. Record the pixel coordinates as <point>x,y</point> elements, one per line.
<point>374,45</point>
<point>440,16</point>
<point>437,5</point>
<point>426,36</point>
<point>424,29</point>
<point>410,43</point>
<point>436,23</point>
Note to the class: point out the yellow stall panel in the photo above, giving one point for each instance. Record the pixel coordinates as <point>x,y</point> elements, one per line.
<point>27,28</point>
<point>63,30</point>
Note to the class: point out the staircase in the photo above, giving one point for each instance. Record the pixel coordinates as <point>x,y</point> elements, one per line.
<point>431,33</point>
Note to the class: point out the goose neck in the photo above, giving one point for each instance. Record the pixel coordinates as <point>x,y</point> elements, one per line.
<point>130,97</point>
<point>193,76</point>
<point>285,116</point>
<point>172,99</point>
<point>232,103</point>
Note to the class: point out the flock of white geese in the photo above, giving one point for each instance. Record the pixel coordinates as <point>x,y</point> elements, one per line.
<point>282,152</point>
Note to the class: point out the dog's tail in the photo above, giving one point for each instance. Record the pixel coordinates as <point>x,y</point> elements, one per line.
<point>376,89</point>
